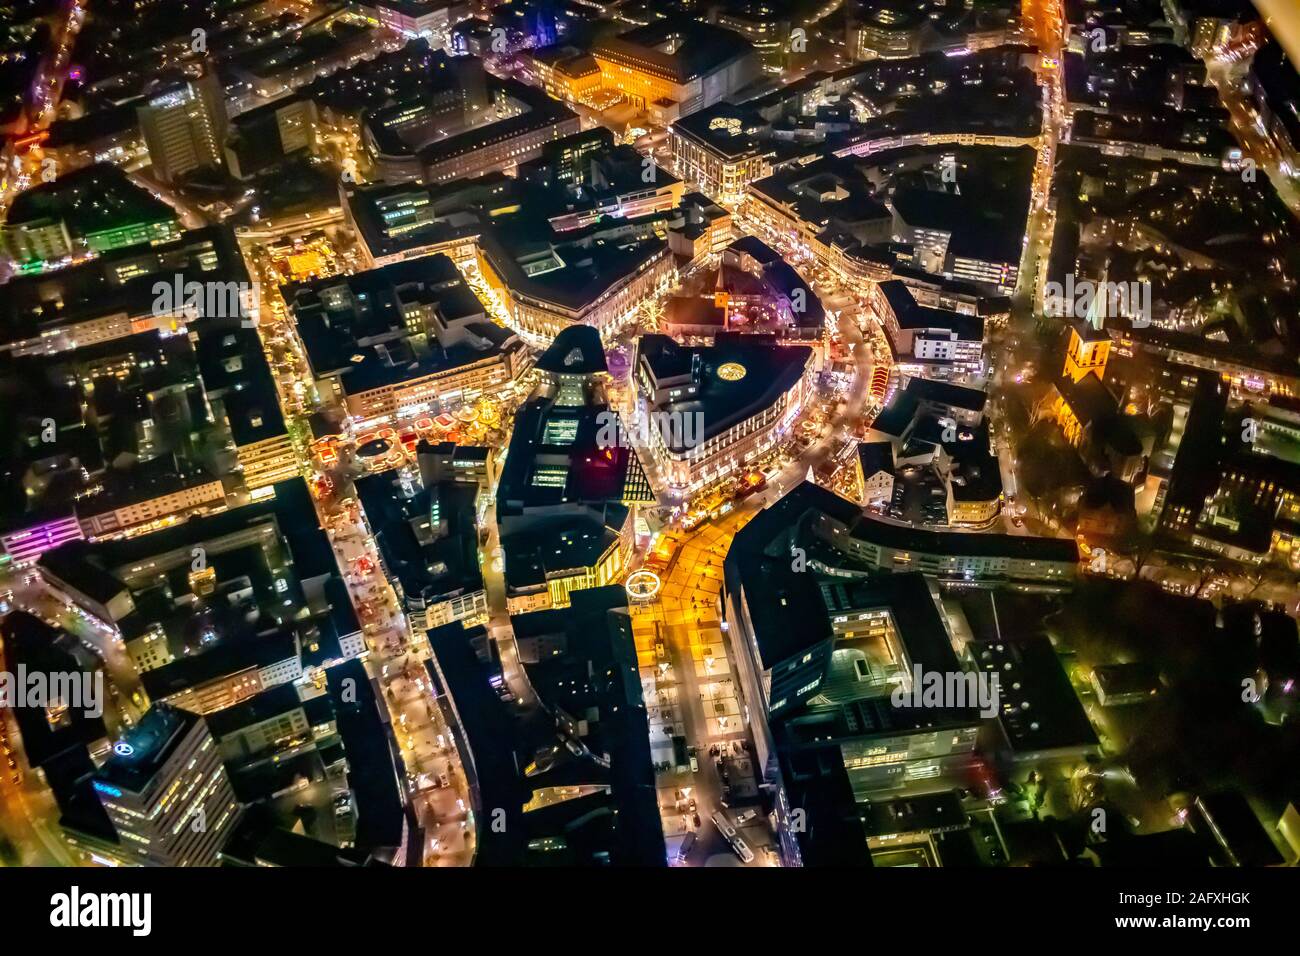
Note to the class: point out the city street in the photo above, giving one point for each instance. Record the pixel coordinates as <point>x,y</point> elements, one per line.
<point>690,690</point>
<point>23,168</point>
<point>436,786</point>
<point>1226,77</point>
<point>839,263</point>
<point>28,814</point>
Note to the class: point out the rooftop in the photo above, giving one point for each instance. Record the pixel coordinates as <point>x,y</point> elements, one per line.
<point>947,394</point>
<point>1038,707</point>
<point>94,199</point>
<point>577,350</point>
<point>142,750</point>
<point>395,323</point>
<point>678,49</point>
<point>730,130</point>
<point>730,381</point>
<point>121,280</point>
<point>912,316</point>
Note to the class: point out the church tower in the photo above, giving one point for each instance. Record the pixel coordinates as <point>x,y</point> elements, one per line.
<point>1089,346</point>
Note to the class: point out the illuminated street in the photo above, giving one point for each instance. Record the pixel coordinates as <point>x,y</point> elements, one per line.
<point>590,437</point>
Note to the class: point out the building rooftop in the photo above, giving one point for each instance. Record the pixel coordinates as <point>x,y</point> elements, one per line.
<point>897,417</point>
<point>141,751</point>
<point>678,50</point>
<point>596,679</point>
<point>486,738</point>
<point>234,368</point>
<point>37,647</point>
<point>979,230</point>
<point>946,393</point>
<point>257,841</point>
<point>910,315</point>
<point>830,192</point>
<point>552,546</point>
<point>876,456</point>
<point>234,654</point>
<point>128,413</point>
<point>1039,710</point>
<point>1120,680</point>
<point>730,130</point>
<point>731,380</point>
<point>539,111</point>
<point>577,350</point>
<point>107,121</point>
<point>269,703</point>
<point>786,602</point>
<point>915,614</point>
<point>565,455</point>
<point>394,324</point>
<point>815,779</point>
<point>1242,840</point>
<point>272,572</point>
<point>570,269</point>
<point>428,541</point>
<point>76,565</point>
<point>120,280</point>
<point>589,261</point>
<point>93,199</point>
<point>926,813</point>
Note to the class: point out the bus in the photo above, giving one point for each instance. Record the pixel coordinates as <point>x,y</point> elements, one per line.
<point>685,848</point>
<point>742,849</point>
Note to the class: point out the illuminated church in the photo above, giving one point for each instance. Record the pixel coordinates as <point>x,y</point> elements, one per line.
<point>1086,410</point>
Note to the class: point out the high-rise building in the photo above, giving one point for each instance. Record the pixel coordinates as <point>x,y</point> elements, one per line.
<point>166,791</point>
<point>185,127</point>
<point>262,137</point>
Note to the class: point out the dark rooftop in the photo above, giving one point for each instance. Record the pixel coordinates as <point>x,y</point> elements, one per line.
<point>577,350</point>
<point>946,393</point>
<point>93,199</point>
<point>148,745</point>
<point>675,49</point>
<point>768,371</point>
<point>360,326</point>
<point>1039,709</point>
